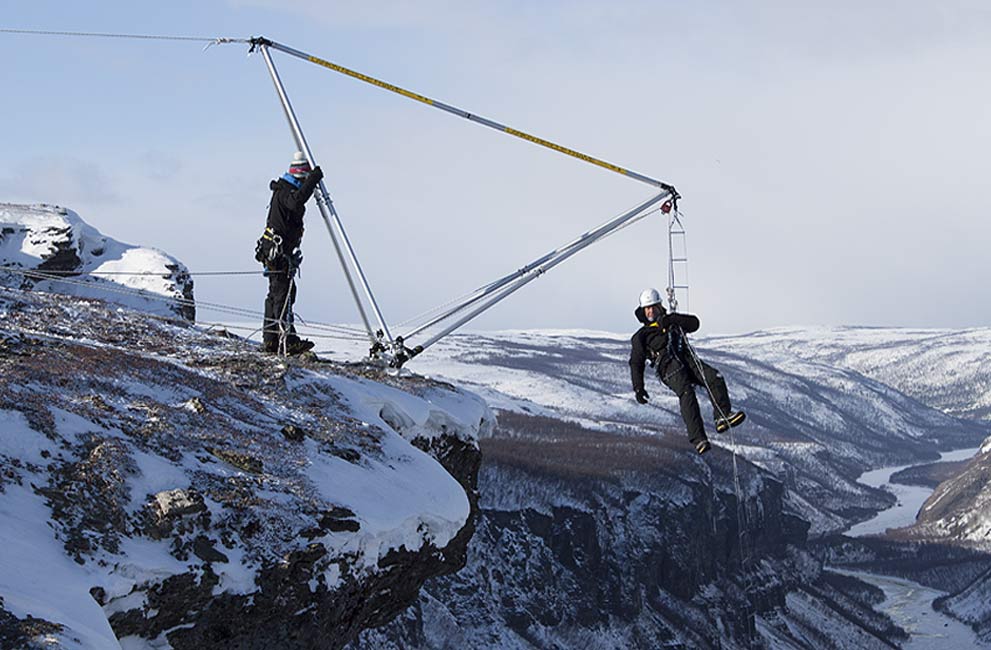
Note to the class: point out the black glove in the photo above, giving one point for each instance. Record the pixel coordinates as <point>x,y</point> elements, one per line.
<point>317,172</point>
<point>642,396</point>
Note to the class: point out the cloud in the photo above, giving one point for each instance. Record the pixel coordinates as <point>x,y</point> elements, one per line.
<point>383,14</point>
<point>64,180</point>
<point>159,165</point>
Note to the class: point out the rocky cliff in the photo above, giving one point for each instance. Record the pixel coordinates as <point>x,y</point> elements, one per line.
<point>49,248</point>
<point>164,487</point>
<point>588,497</point>
<point>959,513</point>
<point>959,510</point>
<point>598,540</point>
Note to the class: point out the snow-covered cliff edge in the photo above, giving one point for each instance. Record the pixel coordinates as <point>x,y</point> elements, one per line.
<point>50,248</point>
<point>164,487</point>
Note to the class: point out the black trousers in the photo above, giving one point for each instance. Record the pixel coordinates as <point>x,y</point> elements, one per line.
<point>278,308</point>
<point>682,376</point>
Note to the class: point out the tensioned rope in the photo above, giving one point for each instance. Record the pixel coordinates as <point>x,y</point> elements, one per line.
<point>740,504</point>
<point>152,273</point>
<point>147,37</point>
<point>342,332</point>
<point>202,328</point>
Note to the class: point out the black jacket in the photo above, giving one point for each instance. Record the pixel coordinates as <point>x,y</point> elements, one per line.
<point>651,341</point>
<point>285,212</point>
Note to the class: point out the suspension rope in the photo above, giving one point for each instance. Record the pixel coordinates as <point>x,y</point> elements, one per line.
<point>263,45</point>
<point>196,327</point>
<point>740,505</point>
<point>342,332</point>
<point>147,37</point>
<point>148,273</point>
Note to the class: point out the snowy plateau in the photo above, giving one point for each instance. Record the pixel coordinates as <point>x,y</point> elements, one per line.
<point>164,486</point>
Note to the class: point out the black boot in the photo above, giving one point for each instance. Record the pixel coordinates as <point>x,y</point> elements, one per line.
<point>735,418</point>
<point>270,344</point>
<point>296,345</point>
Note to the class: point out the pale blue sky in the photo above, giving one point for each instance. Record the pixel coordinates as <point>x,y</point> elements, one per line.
<point>832,156</point>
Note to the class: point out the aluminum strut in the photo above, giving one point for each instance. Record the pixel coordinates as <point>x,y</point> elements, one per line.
<point>478,119</point>
<point>515,281</point>
<point>326,206</point>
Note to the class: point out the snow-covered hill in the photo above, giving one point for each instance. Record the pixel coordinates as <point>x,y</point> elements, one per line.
<point>947,369</point>
<point>815,423</point>
<point>576,516</point>
<point>49,248</point>
<point>959,510</point>
<point>972,605</point>
<point>178,489</point>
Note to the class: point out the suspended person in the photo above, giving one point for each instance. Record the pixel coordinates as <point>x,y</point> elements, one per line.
<point>278,250</point>
<point>661,341</point>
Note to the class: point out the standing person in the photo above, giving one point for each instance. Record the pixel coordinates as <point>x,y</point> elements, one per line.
<point>278,250</point>
<point>661,342</point>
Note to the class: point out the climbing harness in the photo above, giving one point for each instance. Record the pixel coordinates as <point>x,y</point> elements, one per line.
<point>268,248</point>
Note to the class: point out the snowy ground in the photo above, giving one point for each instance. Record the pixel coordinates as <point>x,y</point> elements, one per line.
<point>910,497</point>
<point>78,260</point>
<point>106,413</point>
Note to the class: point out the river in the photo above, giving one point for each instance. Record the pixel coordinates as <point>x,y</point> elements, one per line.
<point>908,603</point>
<point>910,497</point>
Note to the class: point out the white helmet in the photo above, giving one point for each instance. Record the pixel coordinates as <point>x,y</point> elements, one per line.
<point>650,297</point>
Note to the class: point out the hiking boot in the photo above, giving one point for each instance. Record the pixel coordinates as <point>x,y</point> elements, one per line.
<point>296,346</point>
<point>735,418</point>
<point>702,446</point>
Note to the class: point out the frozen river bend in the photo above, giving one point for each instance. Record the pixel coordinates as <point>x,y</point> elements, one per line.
<point>910,497</point>
<point>909,603</point>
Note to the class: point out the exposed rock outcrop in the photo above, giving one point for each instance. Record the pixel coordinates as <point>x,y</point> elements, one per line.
<point>182,488</point>
<point>590,539</point>
<point>959,510</point>
<point>50,248</point>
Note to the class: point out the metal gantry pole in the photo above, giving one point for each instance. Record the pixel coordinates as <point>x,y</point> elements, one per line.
<point>454,110</point>
<point>585,238</point>
<point>538,268</point>
<point>482,292</point>
<point>490,294</point>
<point>326,206</point>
